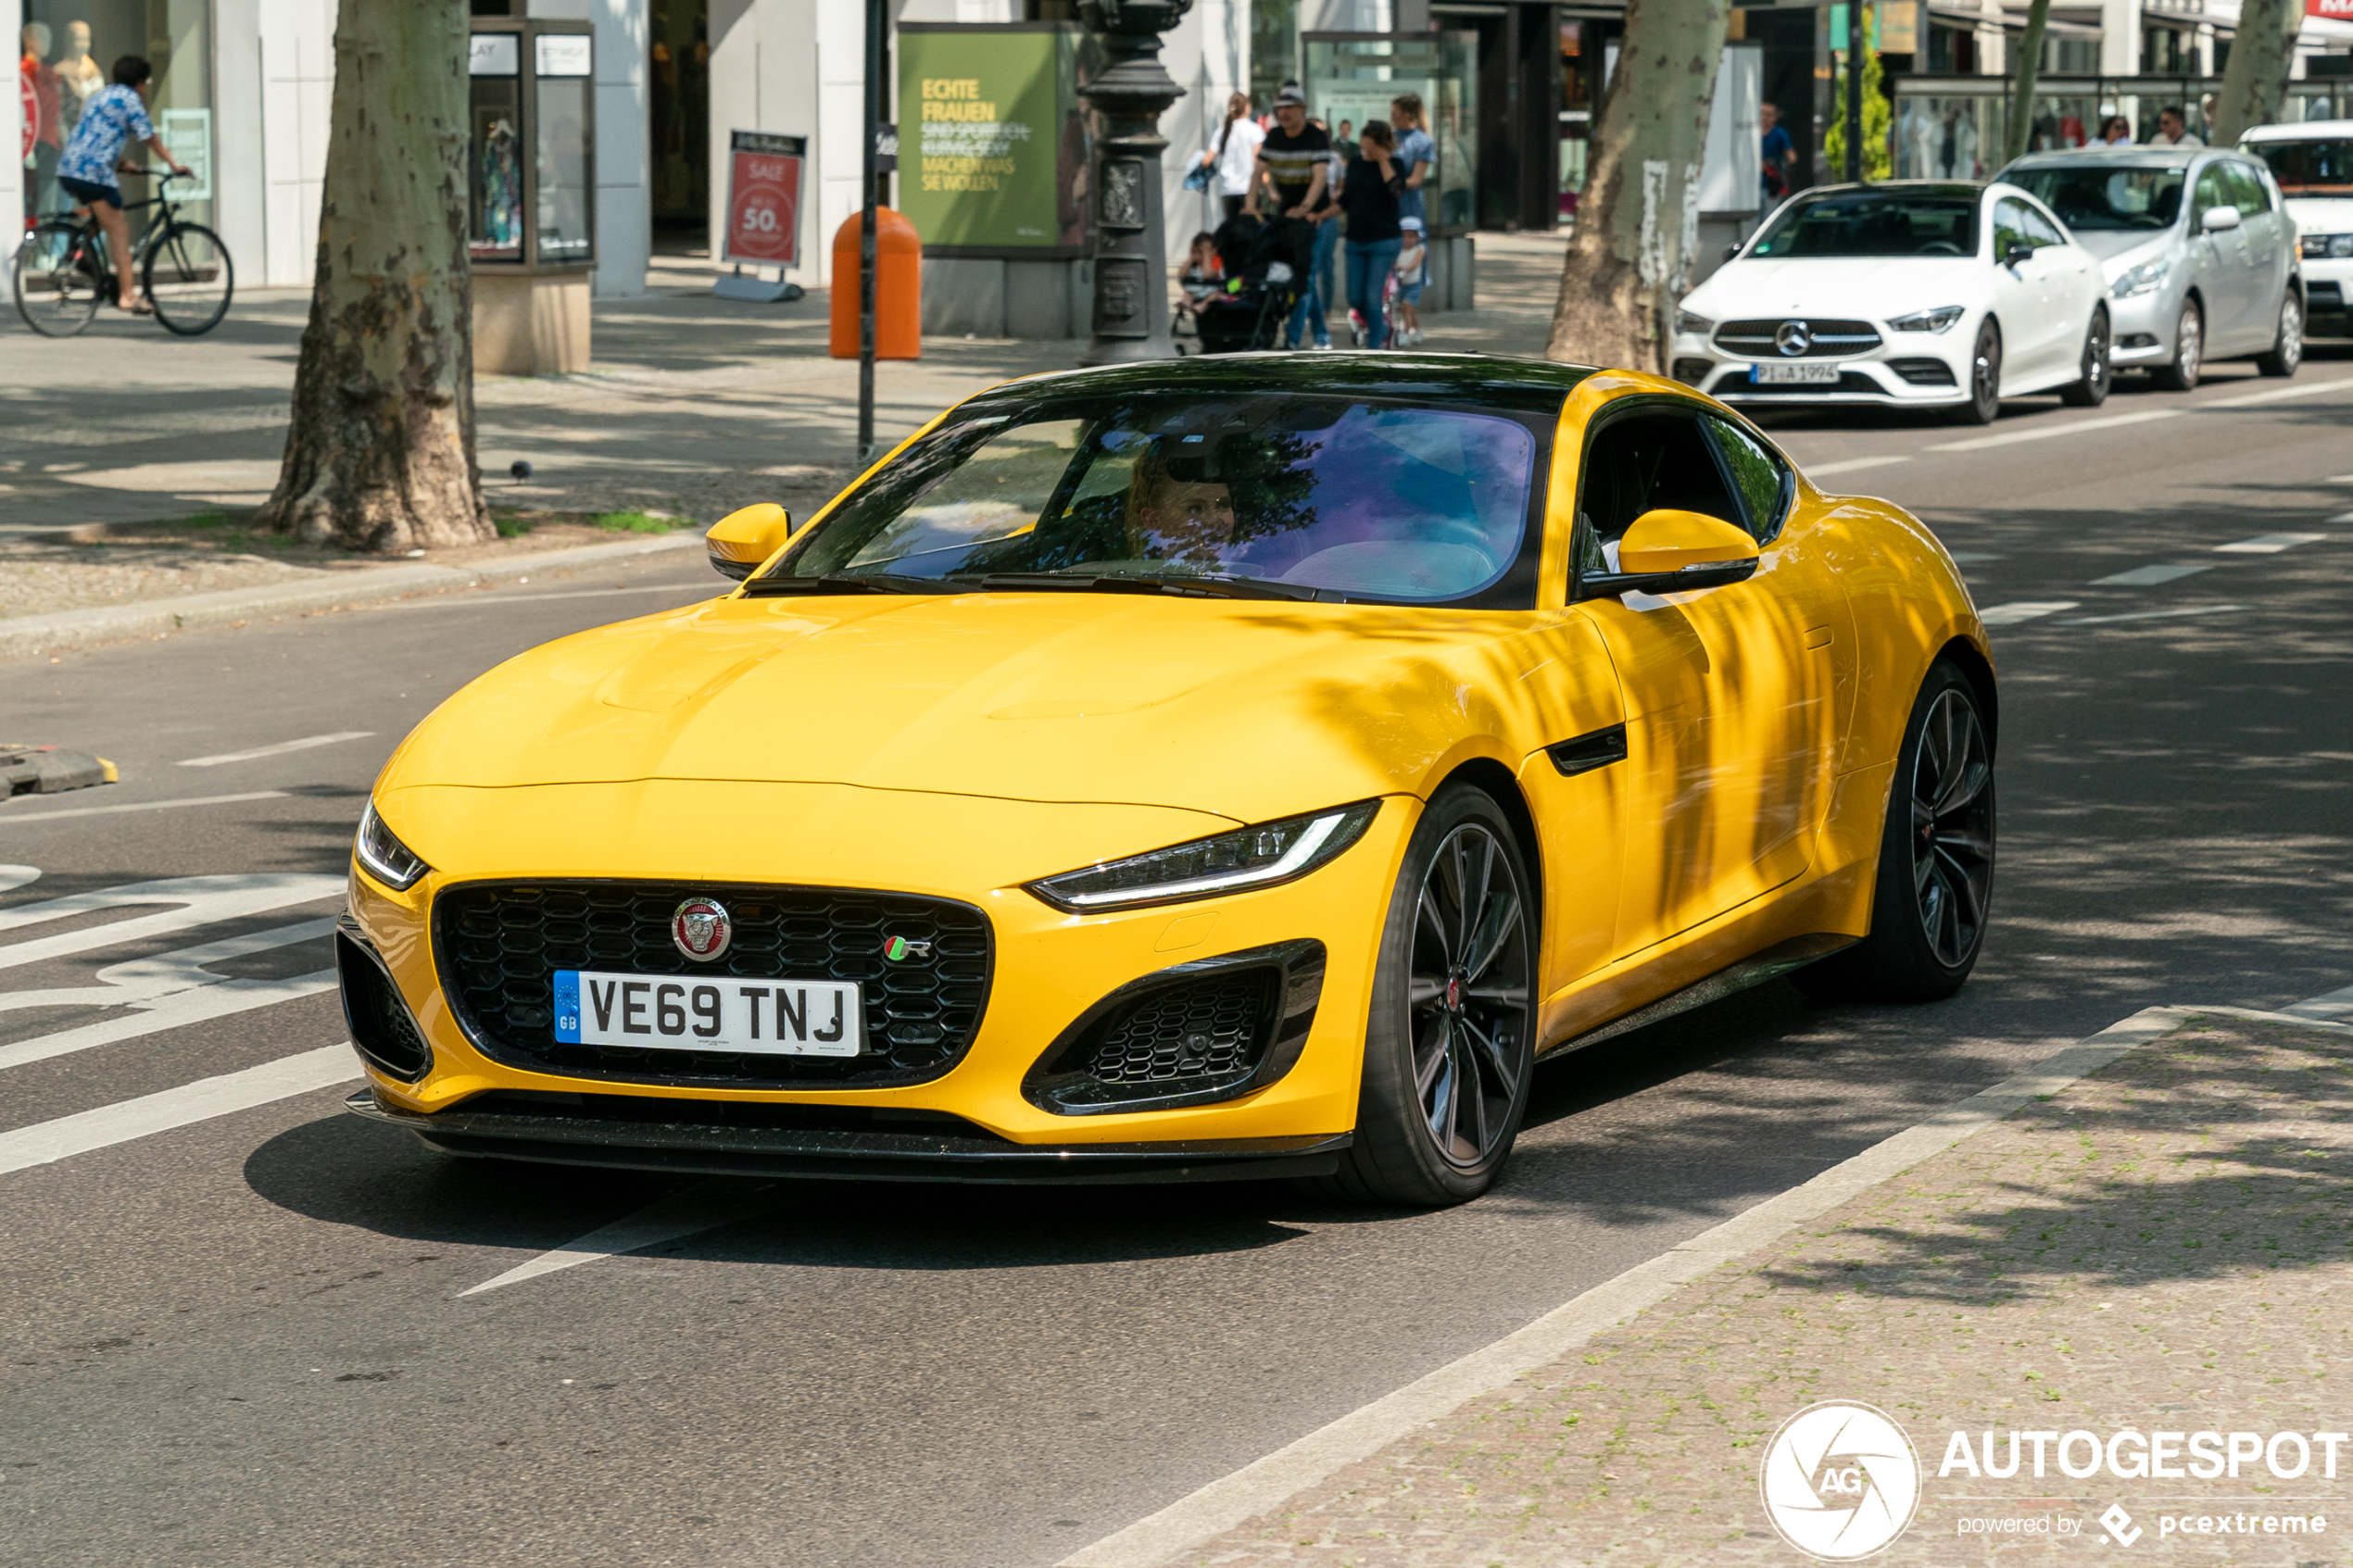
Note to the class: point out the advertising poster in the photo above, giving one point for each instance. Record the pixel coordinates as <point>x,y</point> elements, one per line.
<point>992,150</point>
<point>763,199</point>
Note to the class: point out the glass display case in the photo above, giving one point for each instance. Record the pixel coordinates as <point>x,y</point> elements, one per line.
<point>1352,76</point>
<point>531,150</point>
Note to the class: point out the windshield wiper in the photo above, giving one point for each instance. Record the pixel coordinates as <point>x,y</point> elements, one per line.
<point>1120,583</point>
<point>847,582</point>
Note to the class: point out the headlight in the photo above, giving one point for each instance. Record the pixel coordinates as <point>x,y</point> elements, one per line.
<point>1935,320</point>
<point>1698,326</point>
<point>384,856</point>
<point>2147,278</point>
<point>2318,247</point>
<point>1231,862</point>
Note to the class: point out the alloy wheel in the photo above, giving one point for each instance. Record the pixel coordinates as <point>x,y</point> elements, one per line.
<point>2290,353</point>
<point>1953,829</point>
<point>2096,356</point>
<point>2188,359</point>
<point>1985,372</point>
<point>1469,983</point>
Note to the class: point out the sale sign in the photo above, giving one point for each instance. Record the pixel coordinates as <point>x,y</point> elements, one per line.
<point>763,199</point>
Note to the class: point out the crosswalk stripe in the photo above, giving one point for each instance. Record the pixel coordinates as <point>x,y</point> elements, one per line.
<point>305,744</point>
<point>46,1142</point>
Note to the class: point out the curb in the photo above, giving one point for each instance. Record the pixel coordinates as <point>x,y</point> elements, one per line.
<point>1266,1483</point>
<point>65,629</point>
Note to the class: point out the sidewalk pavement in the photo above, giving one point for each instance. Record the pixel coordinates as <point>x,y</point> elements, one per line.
<point>2166,1243</point>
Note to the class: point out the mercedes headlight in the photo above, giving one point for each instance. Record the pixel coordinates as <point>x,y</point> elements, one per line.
<point>1231,862</point>
<point>384,856</point>
<point>2147,278</point>
<point>2327,246</point>
<point>1698,326</point>
<point>1936,321</point>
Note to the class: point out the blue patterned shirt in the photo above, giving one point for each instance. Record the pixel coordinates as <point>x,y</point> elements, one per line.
<point>113,115</point>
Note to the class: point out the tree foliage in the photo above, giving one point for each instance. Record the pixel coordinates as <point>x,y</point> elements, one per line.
<point>1879,114</point>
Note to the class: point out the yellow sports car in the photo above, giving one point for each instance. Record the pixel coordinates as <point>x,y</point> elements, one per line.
<point>1222,768</point>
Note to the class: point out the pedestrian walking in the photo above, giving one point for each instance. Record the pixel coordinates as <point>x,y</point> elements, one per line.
<point>1369,195</point>
<point>1234,155</point>
<point>1779,152</point>
<point>110,119</point>
<point>1416,156</point>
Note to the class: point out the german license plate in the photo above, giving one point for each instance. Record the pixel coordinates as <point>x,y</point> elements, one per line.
<point>722,1013</point>
<point>1798,374</point>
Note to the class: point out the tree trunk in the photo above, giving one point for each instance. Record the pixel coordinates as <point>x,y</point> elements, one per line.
<point>2255,80</point>
<point>2029,63</point>
<point>1638,221</point>
<point>380,455</point>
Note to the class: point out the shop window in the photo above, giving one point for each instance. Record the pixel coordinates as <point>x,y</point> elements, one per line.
<point>66,51</point>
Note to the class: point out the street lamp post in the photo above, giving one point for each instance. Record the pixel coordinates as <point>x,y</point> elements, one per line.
<point>1131,266</point>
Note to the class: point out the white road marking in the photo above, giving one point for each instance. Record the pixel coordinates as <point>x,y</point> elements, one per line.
<point>2328,1007</point>
<point>1851,464</point>
<point>2151,615</point>
<point>2025,610</point>
<point>1256,1487</point>
<point>200,1101</point>
<point>202,900</point>
<point>8,818</point>
<point>2268,543</point>
<point>285,746</point>
<point>2148,576</point>
<point>688,1212</point>
<point>14,877</point>
<point>1971,558</point>
<point>2341,516</point>
<point>2342,383</point>
<point>2044,432</point>
<point>458,599</point>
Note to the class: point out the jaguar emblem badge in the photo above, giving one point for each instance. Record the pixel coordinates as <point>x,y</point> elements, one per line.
<point>1794,338</point>
<point>702,929</point>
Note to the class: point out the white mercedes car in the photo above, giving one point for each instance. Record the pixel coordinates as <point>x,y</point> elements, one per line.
<point>1912,293</point>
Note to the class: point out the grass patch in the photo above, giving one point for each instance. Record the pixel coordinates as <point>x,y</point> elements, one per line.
<point>511,527</point>
<point>639,522</point>
<point>208,520</point>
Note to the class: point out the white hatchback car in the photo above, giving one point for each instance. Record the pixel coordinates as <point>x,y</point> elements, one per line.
<point>1912,293</point>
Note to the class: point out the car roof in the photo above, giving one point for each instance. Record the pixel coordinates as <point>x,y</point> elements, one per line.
<point>2309,130</point>
<point>1493,379</point>
<point>1899,187</point>
<point>2120,158</point>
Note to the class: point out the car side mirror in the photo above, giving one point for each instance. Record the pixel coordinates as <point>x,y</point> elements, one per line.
<point>1731,251</point>
<point>2215,219</point>
<point>2019,251</point>
<point>1668,551</point>
<point>739,541</point>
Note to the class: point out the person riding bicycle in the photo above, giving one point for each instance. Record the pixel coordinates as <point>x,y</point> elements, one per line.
<point>86,173</point>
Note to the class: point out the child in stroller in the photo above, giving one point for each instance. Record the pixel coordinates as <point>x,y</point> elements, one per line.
<point>1265,270</point>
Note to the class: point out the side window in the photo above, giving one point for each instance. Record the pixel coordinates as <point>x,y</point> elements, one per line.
<point>1641,463</point>
<point>2246,190</point>
<point>2041,229</point>
<point>2010,226</point>
<point>1758,473</point>
<point>2210,193</point>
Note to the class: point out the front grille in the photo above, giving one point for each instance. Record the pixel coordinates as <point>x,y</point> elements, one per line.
<point>499,946</point>
<point>1692,372</point>
<point>1204,1030</point>
<point>1831,337</point>
<point>1924,372</point>
<point>1739,385</point>
<point>2323,297</point>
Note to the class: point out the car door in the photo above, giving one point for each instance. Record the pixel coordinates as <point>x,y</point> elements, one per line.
<point>2018,298</point>
<point>1731,694</point>
<point>2219,264</point>
<point>2268,239</point>
<point>2073,284</point>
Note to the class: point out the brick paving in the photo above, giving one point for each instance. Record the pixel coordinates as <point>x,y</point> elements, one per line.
<point>2168,1244</point>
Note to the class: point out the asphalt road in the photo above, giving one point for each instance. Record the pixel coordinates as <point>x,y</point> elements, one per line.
<point>243,1341</point>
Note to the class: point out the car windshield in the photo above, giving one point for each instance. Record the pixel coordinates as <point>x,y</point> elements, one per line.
<point>2088,196</point>
<point>1353,496</point>
<point>1874,223</point>
<point>2309,168</point>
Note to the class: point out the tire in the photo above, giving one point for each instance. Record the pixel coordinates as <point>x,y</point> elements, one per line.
<point>2189,352</point>
<point>1453,1005</point>
<point>189,278</point>
<point>2287,353</point>
<point>58,279</point>
<point>1935,883</point>
<point>1985,405</point>
<point>2091,390</point>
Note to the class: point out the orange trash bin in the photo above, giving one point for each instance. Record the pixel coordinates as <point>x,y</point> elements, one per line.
<point>898,288</point>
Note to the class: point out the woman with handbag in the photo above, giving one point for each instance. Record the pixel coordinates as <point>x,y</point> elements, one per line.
<point>1234,159</point>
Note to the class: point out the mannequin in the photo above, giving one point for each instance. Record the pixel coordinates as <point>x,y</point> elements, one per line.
<point>40,193</point>
<point>78,71</point>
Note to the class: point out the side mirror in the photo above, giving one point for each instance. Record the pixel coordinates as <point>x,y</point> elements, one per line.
<point>2019,251</point>
<point>1732,251</point>
<point>1665,552</point>
<point>746,537</point>
<point>2215,218</point>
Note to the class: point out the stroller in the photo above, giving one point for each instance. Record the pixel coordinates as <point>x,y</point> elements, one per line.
<point>1266,265</point>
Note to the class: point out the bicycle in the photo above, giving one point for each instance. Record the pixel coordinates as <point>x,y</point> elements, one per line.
<point>62,271</point>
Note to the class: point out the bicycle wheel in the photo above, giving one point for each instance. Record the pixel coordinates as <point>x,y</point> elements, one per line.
<point>58,278</point>
<point>188,279</point>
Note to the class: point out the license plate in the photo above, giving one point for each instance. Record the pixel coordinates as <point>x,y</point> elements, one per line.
<point>1792,375</point>
<point>724,1013</point>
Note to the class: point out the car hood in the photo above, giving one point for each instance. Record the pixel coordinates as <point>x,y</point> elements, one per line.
<point>1875,288</point>
<point>1251,710</point>
<point>2321,214</point>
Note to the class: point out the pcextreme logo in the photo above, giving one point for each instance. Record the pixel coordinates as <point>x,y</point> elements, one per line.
<point>1841,1481</point>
